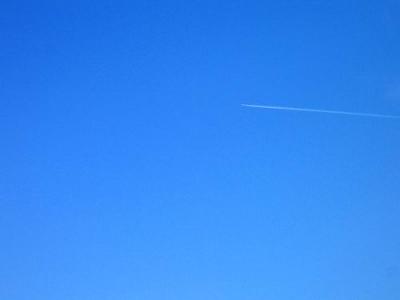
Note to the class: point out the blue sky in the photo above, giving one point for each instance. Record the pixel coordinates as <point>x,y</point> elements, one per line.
<point>129,170</point>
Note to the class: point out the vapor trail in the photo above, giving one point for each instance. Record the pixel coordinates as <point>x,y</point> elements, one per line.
<point>338,112</point>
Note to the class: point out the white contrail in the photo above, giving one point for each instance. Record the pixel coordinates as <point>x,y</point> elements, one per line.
<point>338,112</point>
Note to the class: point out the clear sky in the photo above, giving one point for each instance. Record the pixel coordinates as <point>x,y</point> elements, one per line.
<point>129,169</point>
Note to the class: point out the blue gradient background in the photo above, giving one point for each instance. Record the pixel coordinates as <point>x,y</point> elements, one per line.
<point>129,170</point>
